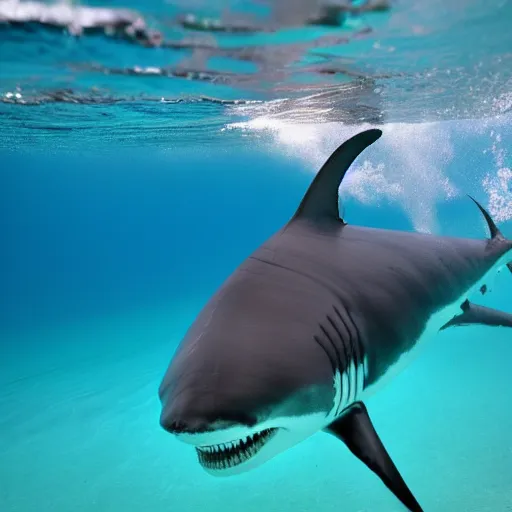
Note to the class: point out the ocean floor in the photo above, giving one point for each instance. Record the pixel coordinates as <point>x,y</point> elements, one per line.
<point>79,428</point>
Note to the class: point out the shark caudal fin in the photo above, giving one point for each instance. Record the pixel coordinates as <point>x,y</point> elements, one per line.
<point>472,314</point>
<point>321,200</point>
<point>495,232</point>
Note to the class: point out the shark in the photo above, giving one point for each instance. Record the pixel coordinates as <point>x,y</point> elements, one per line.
<point>315,321</point>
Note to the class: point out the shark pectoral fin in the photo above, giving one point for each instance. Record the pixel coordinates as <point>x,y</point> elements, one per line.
<point>509,266</point>
<point>473,314</point>
<point>355,429</point>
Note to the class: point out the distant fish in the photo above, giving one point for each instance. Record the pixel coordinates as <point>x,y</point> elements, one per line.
<point>312,323</point>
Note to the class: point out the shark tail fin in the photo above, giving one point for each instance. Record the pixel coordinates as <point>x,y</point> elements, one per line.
<point>495,232</point>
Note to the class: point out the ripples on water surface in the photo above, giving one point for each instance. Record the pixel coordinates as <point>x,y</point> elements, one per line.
<point>176,72</point>
<point>172,74</point>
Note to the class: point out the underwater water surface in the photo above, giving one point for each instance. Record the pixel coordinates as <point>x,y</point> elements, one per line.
<point>137,175</point>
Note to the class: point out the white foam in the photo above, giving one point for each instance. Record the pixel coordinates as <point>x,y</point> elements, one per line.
<point>498,185</point>
<point>76,18</point>
<point>499,189</point>
<point>405,167</point>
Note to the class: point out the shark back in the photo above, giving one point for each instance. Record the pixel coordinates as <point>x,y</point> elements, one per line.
<point>392,282</point>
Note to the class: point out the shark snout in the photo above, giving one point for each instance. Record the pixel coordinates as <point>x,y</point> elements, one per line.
<point>179,419</point>
<point>185,427</point>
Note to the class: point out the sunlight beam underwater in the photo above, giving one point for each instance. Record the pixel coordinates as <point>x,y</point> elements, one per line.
<point>312,323</point>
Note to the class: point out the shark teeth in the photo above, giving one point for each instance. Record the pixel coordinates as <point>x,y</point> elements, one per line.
<point>228,455</point>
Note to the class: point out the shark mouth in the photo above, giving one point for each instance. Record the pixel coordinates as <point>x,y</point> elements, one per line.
<point>234,453</point>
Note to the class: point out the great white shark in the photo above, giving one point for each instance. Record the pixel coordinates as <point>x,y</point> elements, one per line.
<point>312,323</point>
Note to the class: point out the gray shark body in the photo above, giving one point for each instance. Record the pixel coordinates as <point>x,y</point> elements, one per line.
<point>312,323</point>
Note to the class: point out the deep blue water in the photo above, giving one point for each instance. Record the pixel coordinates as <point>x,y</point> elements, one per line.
<point>121,214</point>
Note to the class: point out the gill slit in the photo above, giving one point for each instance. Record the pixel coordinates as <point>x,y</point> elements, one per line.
<point>345,402</point>
<point>329,355</point>
<point>339,406</point>
<point>352,365</point>
<point>338,373</point>
<point>356,361</point>
<point>364,361</point>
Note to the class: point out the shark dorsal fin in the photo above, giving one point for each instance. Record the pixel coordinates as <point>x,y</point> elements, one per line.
<point>495,232</point>
<point>321,199</point>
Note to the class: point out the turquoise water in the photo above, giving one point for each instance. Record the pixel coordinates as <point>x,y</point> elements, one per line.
<point>122,213</point>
